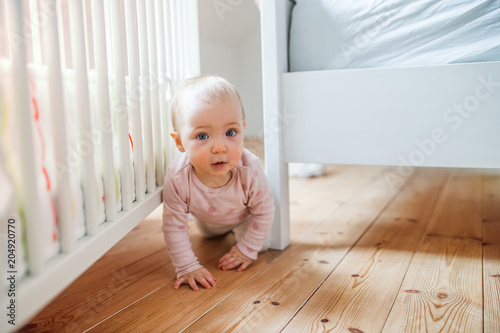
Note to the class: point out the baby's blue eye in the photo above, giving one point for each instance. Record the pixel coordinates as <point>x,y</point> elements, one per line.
<point>202,136</point>
<point>231,133</point>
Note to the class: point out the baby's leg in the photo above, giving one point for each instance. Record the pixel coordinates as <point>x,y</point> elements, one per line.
<point>213,230</point>
<point>241,229</point>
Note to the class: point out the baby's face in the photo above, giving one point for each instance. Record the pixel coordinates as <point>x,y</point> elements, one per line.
<point>212,135</point>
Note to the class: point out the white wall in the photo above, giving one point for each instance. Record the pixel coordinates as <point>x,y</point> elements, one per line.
<point>230,47</point>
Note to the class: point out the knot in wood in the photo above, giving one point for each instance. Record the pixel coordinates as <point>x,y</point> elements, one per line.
<point>256,302</point>
<point>442,295</point>
<point>324,320</point>
<point>275,303</point>
<point>412,291</point>
<point>355,330</point>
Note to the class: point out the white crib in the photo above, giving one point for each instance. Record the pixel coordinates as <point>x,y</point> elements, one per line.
<point>84,132</point>
<point>381,116</point>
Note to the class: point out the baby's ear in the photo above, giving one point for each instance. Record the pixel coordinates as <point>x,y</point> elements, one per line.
<point>244,126</point>
<point>177,140</point>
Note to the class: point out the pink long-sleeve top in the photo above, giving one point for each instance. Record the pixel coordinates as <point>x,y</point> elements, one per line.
<point>247,193</point>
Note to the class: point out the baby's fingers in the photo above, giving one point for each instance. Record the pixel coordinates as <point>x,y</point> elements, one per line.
<point>210,279</point>
<point>193,284</point>
<point>201,280</point>
<point>225,262</point>
<point>225,257</point>
<point>244,265</point>
<point>179,282</point>
<point>230,264</point>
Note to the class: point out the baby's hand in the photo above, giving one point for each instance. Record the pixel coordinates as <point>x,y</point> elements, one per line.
<point>201,275</point>
<point>233,259</point>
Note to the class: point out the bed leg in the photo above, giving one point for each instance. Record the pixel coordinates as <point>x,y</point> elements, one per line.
<point>277,173</point>
<point>274,22</point>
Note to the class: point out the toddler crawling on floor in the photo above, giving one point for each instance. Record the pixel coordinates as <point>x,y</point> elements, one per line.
<point>215,179</point>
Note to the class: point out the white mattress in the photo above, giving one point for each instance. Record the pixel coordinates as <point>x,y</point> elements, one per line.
<point>333,34</point>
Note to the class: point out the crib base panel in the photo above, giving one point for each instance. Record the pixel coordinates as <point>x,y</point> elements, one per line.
<point>36,291</point>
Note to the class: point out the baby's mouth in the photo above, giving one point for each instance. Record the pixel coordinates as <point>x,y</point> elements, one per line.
<point>219,165</point>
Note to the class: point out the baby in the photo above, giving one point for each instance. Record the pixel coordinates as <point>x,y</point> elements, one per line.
<point>215,180</point>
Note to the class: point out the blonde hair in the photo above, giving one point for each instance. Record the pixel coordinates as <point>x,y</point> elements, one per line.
<point>208,88</point>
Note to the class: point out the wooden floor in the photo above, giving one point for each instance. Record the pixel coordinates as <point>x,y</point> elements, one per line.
<point>374,249</point>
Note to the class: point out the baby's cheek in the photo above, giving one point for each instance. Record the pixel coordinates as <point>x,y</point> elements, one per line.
<point>198,156</point>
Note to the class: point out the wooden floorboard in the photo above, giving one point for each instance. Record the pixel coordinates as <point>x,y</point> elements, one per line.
<point>491,253</point>
<point>367,255</point>
<point>269,300</point>
<point>145,239</point>
<point>107,291</point>
<point>442,291</point>
<point>169,310</point>
<point>115,323</point>
<point>359,294</point>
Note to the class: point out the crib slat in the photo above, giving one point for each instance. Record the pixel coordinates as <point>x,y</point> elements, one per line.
<point>35,32</point>
<point>22,111</point>
<point>145,98</point>
<point>135,106</point>
<point>106,126</point>
<point>121,104</point>
<point>167,9</point>
<point>175,45</point>
<point>180,40</point>
<point>185,28</point>
<point>107,30</point>
<point>4,44</point>
<point>89,43</point>
<point>155,90</point>
<point>178,46</point>
<point>163,83</point>
<point>58,116</point>
<point>193,36</point>
<point>60,25</point>
<point>83,106</point>
<point>168,39</point>
<point>169,143</point>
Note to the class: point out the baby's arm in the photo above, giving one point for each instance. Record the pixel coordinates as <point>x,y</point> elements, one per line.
<point>261,208</point>
<point>176,235</point>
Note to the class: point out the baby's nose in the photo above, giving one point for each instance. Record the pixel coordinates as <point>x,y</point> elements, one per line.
<point>219,147</point>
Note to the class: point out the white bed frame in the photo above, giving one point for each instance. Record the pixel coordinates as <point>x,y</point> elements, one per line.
<point>162,44</point>
<point>447,115</point>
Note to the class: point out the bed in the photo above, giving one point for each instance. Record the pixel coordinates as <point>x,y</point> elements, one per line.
<point>378,83</point>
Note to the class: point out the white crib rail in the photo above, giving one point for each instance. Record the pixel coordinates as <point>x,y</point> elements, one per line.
<point>146,101</point>
<point>155,91</point>
<point>56,97</point>
<point>99,27</point>
<point>159,39</point>
<point>83,104</point>
<point>21,103</point>
<point>135,106</point>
